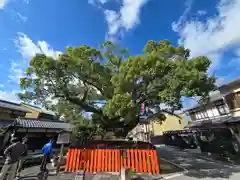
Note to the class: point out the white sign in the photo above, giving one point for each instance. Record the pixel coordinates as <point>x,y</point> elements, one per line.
<point>63,138</point>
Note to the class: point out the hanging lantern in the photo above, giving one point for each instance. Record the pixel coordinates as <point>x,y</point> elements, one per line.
<point>142,108</point>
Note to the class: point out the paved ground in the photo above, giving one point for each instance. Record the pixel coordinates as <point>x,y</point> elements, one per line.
<point>189,167</point>
<point>197,167</point>
<point>31,174</point>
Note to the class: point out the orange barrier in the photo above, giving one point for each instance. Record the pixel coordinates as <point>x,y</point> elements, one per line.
<point>111,160</point>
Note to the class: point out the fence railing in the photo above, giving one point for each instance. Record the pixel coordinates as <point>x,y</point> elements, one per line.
<point>111,160</point>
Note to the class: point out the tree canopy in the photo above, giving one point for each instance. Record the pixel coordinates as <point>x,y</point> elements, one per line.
<point>80,75</point>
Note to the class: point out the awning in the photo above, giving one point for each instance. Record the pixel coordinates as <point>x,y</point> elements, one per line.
<point>33,123</point>
<point>233,120</point>
<point>185,131</point>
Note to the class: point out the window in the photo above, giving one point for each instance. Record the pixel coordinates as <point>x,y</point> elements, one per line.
<point>215,111</point>
<point>198,115</point>
<point>210,113</point>
<point>205,114</point>
<point>226,108</point>
<point>222,109</point>
<point>202,115</point>
<point>179,121</point>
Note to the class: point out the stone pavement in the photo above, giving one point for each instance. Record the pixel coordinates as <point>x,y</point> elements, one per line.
<point>31,174</point>
<point>192,167</point>
<point>196,167</point>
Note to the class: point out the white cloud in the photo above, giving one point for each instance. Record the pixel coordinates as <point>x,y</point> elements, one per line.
<point>3,3</point>
<point>1,85</point>
<point>28,48</point>
<point>26,1</point>
<point>130,12</point>
<point>124,19</point>
<point>16,72</point>
<point>237,52</point>
<point>176,26</point>
<point>201,12</point>
<point>9,96</point>
<point>21,17</point>
<point>216,34</point>
<point>113,21</point>
<point>94,2</point>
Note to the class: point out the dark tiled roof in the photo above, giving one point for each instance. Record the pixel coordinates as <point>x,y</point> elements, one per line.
<point>32,123</point>
<point>232,83</point>
<point>13,106</point>
<point>209,123</point>
<point>234,120</point>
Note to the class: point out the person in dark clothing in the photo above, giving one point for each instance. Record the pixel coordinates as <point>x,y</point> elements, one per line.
<point>13,154</point>
<point>47,152</point>
<point>23,156</point>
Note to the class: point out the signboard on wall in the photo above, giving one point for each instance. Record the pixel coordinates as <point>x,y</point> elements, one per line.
<point>63,138</point>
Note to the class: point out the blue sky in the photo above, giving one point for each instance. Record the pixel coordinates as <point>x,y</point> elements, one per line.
<point>206,27</point>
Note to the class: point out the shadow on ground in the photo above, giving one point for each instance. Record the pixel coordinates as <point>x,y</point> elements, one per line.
<point>198,167</point>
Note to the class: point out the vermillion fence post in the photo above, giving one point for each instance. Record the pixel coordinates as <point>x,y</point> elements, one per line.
<point>78,160</point>
<point>68,160</point>
<point>91,167</point>
<point>95,161</point>
<point>156,161</point>
<point>137,162</point>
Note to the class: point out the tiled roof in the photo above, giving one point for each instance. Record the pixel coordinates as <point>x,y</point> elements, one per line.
<point>214,96</point>
<point>13,106</point>
<point>32,123</point>
<point>209,123</point>
<point>234,120</point>
<point>234,82</point>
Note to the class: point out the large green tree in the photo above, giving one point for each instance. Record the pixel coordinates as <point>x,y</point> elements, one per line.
<point>163,73</point>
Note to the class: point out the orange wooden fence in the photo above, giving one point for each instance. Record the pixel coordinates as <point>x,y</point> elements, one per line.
<point>99,160</point>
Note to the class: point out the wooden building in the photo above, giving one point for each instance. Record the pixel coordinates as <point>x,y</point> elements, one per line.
<point>218,122</point>
<point>9,111</point>
<point>25,120</point>
<point>212,115</point>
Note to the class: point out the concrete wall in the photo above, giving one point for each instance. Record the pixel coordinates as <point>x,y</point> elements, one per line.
<point>33,113</point>
<point>170,123</point>
<point>152,127</point>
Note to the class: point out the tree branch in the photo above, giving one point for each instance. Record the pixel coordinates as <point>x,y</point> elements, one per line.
<point>80,103</point>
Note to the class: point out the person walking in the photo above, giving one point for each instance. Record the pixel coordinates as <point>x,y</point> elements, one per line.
<point>22,158</point>
<point>12,154</point>
<point>47,152</point>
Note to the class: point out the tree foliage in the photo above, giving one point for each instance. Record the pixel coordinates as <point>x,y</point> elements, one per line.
<point>84,129</point>
<point>162,74</point>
